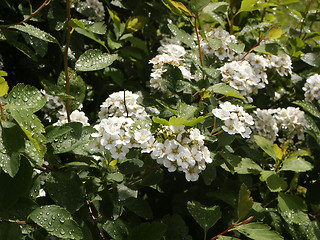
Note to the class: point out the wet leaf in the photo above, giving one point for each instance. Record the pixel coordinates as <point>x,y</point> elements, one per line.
<point>206,217</point>
<point>258,231</point>
<point>56,221</point>
<point>94,59</point>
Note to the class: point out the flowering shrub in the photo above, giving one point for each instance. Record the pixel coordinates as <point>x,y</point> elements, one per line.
<point>159,119</point>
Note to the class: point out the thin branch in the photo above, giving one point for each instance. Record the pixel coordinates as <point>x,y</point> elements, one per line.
<point>45,3</point>
<point>94,219</point>
<point>237,223</point>
<point>124,102</point>
<point>199,48</point>
<point>2,113</point>
<point>253,47</point>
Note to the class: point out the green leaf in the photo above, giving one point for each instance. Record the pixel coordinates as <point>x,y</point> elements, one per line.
<point>234,163</point>
<point>270,48</point>
<point>206,217</point>
<point>94,59</point>
<point>140,207</point>
<point>160,121</point>
<point>186,111</point>
<point>176,121</point>
<point>225,89</point>
<point>274,32</point>
<point>10,231</point>
<point>245,202</point>
<point>209,174</point>
<point>214,44</point>
<point>11,144</point>
<point>309,107</point>
<point>296,164</point>
<point>131,166</point>
<point>56,221</point>
<point>4,87</point>
<point>19,211</point>
<point>125,193</point>
<point>181,35</point>
<point>197,5</point>
<point>91,35</point>
<point>116,229</point>
<point>66,190</point>
<point>135,23</point>
<point>32,127</point>
<point>18,186</point>
<point>292,209</point>
<point>312,59</point>
<point>171,76</point>
<point>53,132</point>
<point>177,8</point>
<point>258,231</point>
<point>266,145</point>
<point>148,231</point>
<point>77,89</point>
<point>33,155</point>
<point>252,5</point>
<point>274,182</point>
<point>26,97</point>
<point>238,48</point>
<point>73,139</point>
<point>176,228</point>
<point>36,32</point>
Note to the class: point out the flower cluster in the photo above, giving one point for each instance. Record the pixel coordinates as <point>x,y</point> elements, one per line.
<point>312,88</point>
<point>98,9</point>
<point>290,121</point>
<point>265,124</point>
<point>181,149</point>
<point>170,52</point>
<point>236,120</point>
<point>282,64</point>
<point>115,134</point>
<point>55,104</point>
<point>75,116</point>
<point>123,103</point>
<point>224,51</point>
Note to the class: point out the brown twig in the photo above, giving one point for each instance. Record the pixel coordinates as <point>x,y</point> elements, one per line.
<point>45,3</point>
<point>94,219</point>
<point>237,223</point>
<point>2,113</point>
<point>253,47</point>
<point>198,39</point>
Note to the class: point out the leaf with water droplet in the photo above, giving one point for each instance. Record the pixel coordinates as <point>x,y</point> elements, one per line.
<point>258,231</point>
<point>36,32</point>
<point>293,208</point>
<point>55,227</point>
<point>206,217</point>
<point>77,88</point>
<point>94,59</point>
<point>181,35</point>
<point>71,195</point>
<point>26,97</point>
<point>11,144</point>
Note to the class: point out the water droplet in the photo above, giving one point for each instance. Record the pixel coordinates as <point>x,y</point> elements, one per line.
<point>62,231</point>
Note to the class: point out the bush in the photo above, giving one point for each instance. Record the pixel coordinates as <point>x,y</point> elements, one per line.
<point>159,120</point>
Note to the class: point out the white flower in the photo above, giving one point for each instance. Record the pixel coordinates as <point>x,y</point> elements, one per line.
<point>236,120</point>
<point>283,64</point>
<point>312,88</point>
<point>98,8</point>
